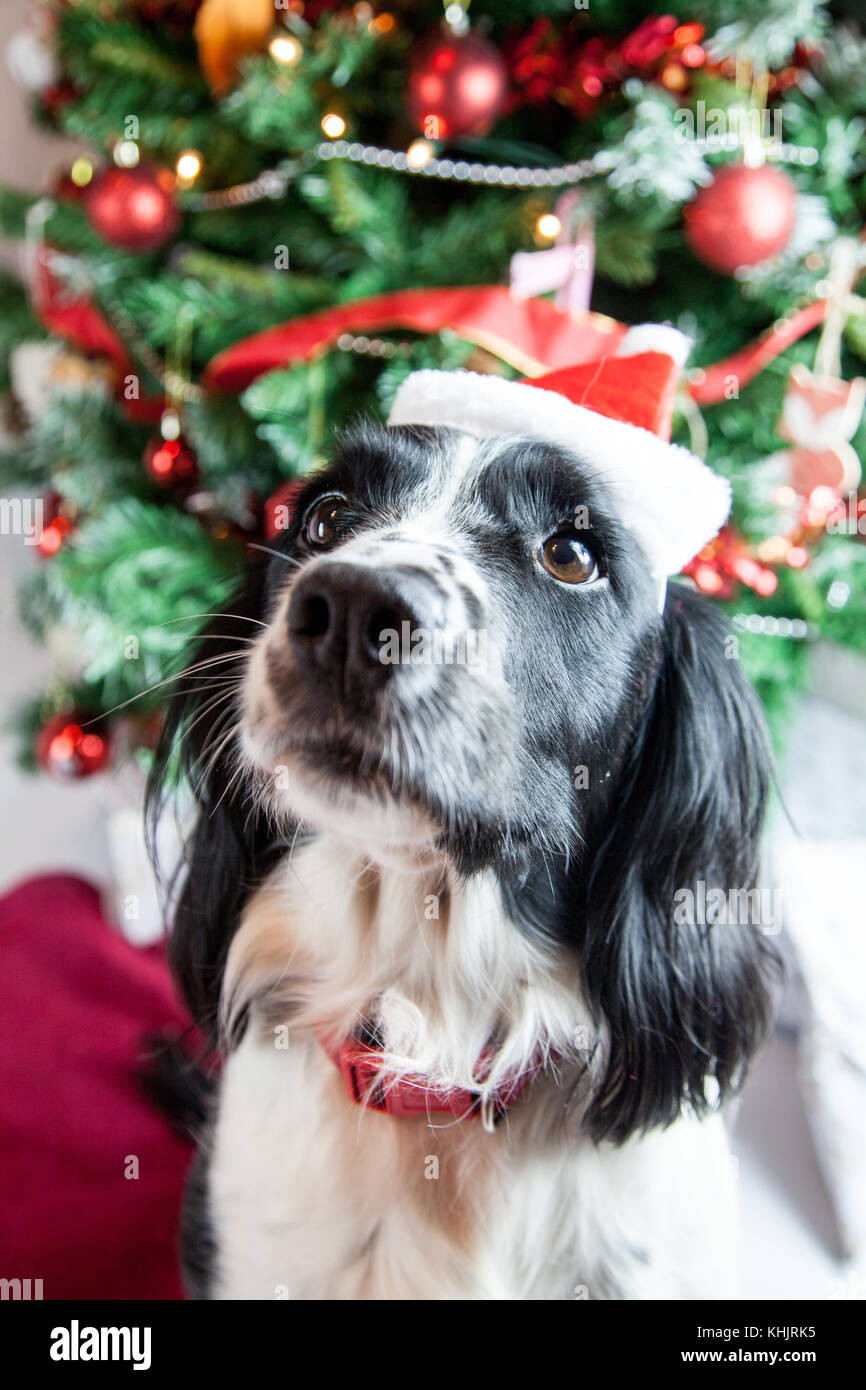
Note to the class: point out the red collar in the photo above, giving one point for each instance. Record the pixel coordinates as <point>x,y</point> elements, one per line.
<point>360,1066</point>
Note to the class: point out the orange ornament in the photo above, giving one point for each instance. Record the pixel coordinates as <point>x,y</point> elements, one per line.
<point>227,31</point>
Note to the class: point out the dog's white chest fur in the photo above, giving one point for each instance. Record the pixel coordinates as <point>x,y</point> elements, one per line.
<point>311,1196</point>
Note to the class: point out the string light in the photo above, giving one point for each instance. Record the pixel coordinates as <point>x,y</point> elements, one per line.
<point>285,50</point>
<point>81,172</point>
<point>126,154</point>
<point>548,226</point>
<point>188,166</point>
<point>333,125</point>
<point>419,153</point>
<point>383,23</point>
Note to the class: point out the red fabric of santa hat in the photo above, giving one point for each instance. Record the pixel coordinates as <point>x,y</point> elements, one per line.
<point>614,415</point>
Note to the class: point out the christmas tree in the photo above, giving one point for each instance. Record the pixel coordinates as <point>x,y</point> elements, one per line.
<point>287,207</point>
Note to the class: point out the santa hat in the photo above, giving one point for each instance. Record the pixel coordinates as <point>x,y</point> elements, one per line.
<point>615,414</point>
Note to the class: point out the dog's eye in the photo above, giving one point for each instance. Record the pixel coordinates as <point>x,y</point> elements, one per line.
<point>568,558</point>
<point>327,521</point>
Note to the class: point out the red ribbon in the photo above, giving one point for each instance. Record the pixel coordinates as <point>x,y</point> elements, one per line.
<point>72,315</point>
<point>745,364</point>
<point>531,334</point>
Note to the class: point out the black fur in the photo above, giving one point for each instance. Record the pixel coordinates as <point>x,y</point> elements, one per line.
<point>232,847</point>
<point>670,737</point>
<point>680,1002</point>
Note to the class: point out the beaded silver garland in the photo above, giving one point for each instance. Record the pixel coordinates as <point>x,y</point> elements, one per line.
<point>274,183</point>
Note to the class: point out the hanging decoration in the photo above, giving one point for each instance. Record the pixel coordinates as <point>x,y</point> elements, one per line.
<point>58,521</point>
<point>567,267</point>
<point>31,60</point>
<point>170,462</point>
<point>744,217</point>
<point>133,208</point>
<point>457,85</point>
<point>228,31</point>
<point>72,745</point>
<point>820,416</point>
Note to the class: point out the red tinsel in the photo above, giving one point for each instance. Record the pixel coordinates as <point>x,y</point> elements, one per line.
<point>547,63</point>
<point>726,561</point>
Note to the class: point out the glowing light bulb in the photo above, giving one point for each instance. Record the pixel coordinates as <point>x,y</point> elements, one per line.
<point>383,23</point>
<point>333,125</point>
<point>285,50</point>
<point>126,154</point>
<point>548,226</point>
<point>81,172</point>
<point>188,165</point>
<point>419,153</point>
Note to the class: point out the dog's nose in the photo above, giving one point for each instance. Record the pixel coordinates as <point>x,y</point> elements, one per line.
<point>341,617</point>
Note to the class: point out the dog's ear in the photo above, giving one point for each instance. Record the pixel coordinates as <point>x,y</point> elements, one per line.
<point>228,849</point>
<point>680,1005</point>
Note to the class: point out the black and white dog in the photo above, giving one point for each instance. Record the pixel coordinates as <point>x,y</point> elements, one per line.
<point>473,1049</point>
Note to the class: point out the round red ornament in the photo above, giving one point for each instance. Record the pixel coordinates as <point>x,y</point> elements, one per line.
<point>279,508</point>
<point>170,462</point>
<point>457,85</point>
<point>133,208</point>
<point>72,745</point>
<point>744,217</point>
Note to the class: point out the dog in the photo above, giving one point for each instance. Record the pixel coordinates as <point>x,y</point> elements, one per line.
<point>470,1049</point>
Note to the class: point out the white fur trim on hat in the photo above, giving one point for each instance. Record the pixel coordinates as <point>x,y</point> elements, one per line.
<point>655,337</point>
<point>670,501</point>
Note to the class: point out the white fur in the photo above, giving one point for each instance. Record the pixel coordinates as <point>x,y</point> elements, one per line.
<point>313,1197</point>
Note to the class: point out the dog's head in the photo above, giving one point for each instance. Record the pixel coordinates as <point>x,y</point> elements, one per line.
<point>457,636</point>
<point>455,650</point>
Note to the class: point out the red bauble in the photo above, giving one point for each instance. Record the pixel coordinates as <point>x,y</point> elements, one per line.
<point>170,462</point>
<point>57,521</point>
<point>73,745</point>
<point>279,508</point>
<point>744,217</point>
<point>133,208</point>
<point>457,86</point>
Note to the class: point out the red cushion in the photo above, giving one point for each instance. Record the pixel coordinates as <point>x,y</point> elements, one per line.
<point>76,1000</point>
